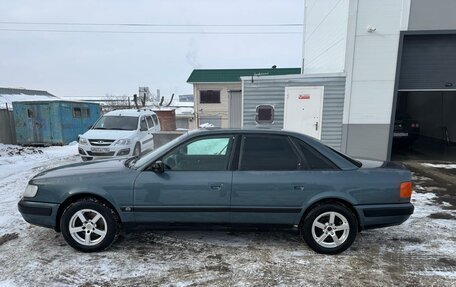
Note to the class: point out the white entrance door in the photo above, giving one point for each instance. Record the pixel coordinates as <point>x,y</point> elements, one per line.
<point>303,110</point>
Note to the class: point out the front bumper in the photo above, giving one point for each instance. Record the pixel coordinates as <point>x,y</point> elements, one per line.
<point>86,151</point>
<point>39,213</point>
<point>382,215</point>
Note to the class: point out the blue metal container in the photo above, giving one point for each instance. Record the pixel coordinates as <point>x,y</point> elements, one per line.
<point>53,122</point>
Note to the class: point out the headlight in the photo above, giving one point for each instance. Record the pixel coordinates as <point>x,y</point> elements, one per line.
<point>83,141</point>
<point>30,191</point>
<point>123,142</point>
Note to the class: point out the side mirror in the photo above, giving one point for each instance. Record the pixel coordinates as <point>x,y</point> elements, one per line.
<point>143,129</point>
<point>158,167</point>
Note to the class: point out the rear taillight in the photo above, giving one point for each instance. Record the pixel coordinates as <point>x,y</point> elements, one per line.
<point>415,125</point>
<point>406,189</point>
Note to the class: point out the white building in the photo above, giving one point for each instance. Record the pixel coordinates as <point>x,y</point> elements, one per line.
<point>389,51</point>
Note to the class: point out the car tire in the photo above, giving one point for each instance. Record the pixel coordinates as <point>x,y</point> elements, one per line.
<point>137,150</point>
<point>89,225</point>
<point>329,228</point>
<point>86,158</point>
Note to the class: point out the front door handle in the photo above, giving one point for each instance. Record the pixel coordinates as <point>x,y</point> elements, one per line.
<point>299,187</point>
<point>216,187</point>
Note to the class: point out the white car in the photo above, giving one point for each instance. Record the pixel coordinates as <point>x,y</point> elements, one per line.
<point>121,133</point>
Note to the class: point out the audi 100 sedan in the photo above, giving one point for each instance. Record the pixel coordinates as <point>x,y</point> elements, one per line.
<point>232,177</point>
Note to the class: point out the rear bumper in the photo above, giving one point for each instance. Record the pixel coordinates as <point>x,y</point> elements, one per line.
<point>39,213</point>
<point>382,215</point>
<point>406,134</point>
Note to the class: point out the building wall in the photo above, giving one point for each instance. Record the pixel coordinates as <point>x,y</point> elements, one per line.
<point>167,119</point>
<point>53,122</point>
<point>70,126</point>
<point>371,60</point>
<point>325,36</point>
<point>432,15</point>
<point>271,91</point>
<point>7,131</point>
<point>214,110</point>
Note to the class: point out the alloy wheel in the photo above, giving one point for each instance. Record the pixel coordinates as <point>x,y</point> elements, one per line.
<point>330,229</point>
<point>88,227</point>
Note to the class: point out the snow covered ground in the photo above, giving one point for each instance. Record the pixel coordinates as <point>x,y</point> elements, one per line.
<point>421,252</point>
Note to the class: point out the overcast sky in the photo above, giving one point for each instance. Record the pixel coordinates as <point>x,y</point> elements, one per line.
<point>95,64</point>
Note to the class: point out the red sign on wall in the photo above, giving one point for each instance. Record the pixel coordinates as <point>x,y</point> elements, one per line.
<point>304,97</point>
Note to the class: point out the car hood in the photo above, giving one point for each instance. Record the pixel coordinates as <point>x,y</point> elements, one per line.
<point>84,168</point>
<point>107,134</point>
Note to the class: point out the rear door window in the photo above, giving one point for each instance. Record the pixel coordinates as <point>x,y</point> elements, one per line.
<point>264,152</point>
<point>155,118</point>
<point>143,124</point>
<point>150,122</point>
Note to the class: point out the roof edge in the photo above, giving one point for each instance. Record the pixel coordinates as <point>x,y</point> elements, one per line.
<point>286,70</point>
<point>295,76</point>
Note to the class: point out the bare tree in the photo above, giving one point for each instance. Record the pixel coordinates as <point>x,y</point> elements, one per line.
<point>111,102</point>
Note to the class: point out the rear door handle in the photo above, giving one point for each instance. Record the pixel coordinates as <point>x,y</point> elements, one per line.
<point>299,187</point>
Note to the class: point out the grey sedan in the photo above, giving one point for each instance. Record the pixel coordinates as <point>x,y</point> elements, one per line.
<point>231,177</point>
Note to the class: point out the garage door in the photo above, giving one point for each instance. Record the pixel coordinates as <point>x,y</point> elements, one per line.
<point>425,122</point>
<point>428,62</point>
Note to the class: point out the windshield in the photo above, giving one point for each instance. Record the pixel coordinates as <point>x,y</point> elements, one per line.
<point>117,123</point>
<point>146,159</point>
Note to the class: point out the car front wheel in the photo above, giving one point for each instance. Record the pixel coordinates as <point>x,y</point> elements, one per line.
<point>89,225</point>
<point>329,228</point>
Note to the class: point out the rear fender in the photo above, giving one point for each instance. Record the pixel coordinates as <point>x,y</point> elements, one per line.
<point>336,196</point>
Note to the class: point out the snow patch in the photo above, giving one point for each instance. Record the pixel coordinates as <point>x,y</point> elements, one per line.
<point>440,165</point>
<point>446,274</point>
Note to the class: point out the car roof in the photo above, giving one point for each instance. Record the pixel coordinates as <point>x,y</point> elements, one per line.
<point>202,131</point>
<point>130,112</point>
<point>313,142</point>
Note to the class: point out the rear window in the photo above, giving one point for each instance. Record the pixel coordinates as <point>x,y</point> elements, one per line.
<point>313,159</point>
<point>353,161</point>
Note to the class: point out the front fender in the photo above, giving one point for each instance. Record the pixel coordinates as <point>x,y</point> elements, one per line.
<point>116,198</point>
<point>116,188</point>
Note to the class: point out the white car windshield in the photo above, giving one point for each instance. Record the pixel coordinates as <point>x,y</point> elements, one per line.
<point>117,123</point>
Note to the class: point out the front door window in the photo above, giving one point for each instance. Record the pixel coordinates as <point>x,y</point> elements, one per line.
<point>211,154</point>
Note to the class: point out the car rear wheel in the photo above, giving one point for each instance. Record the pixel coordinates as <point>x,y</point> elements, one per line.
<point>329,228</point>
<point>89,225</point>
